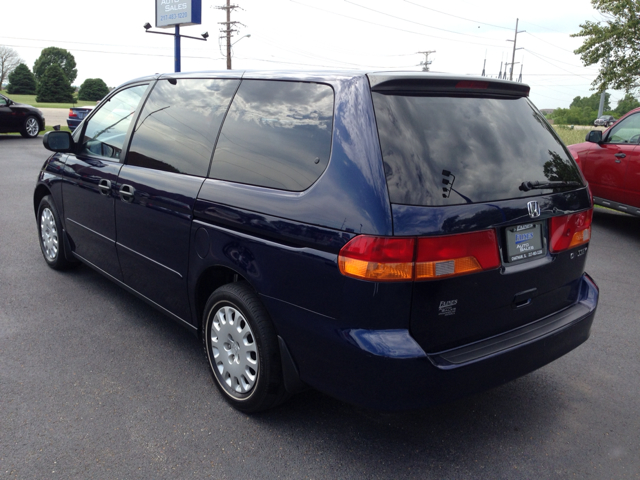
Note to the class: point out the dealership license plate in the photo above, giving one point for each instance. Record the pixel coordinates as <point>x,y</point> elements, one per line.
<point>524,242</point>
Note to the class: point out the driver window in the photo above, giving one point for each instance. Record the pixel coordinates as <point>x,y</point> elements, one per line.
<point>626,131</point>
<point>104,134</point>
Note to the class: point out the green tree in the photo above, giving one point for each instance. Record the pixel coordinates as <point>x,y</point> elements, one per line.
<point>21,81</point>
<point>56,56</point>
<point>582,111</point>
<point>614,42</point>
<point>54,86</point>
<point>574,116</point>
<point>93,89</point>
<point>592,102</point>
<point>629,102</point>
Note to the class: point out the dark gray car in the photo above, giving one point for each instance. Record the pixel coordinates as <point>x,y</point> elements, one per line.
<point>604,121</point>
<point>18,117</point>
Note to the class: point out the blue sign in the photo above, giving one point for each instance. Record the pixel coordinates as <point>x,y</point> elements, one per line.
<point>170,13</point>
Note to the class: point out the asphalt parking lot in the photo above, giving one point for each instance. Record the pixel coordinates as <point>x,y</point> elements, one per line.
<point>96,384</point>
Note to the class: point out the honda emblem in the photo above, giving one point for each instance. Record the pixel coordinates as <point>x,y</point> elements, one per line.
<point>534,209</point>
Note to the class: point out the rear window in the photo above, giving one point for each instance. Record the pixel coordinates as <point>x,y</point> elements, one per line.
<point>440,150</point>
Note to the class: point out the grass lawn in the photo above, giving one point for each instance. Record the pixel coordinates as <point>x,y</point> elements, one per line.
<point>570,136</point>
<point>31,100</point>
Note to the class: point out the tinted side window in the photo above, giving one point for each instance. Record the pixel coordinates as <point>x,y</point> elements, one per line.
<point>626,131</point>
<point>105,133</point>
<point>177,129</point>
<point>277,135</point>
<point>456,150</point>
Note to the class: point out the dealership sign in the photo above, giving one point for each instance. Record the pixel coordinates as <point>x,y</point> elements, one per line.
<point>178,12</point>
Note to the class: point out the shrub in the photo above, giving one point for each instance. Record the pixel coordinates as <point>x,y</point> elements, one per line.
<point>54,86</point>
<point>93,89</point>
<point>21,81</point>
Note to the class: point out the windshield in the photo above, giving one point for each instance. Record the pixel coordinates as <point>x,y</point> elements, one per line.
<point>450,150</point>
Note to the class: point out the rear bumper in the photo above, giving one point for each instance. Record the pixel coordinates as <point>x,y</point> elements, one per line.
<point>73,123</point>
<point>379,369</point>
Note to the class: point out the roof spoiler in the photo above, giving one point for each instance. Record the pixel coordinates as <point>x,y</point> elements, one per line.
<point>421,83</point>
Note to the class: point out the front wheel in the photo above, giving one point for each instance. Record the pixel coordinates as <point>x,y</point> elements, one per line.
<point>241,348</point>
<point>30,128</point>
<point>50,232</point>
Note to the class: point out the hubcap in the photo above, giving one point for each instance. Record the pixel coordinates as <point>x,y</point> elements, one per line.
<point>234,350</point>
<point>32,127</point>
<point>49,234</point>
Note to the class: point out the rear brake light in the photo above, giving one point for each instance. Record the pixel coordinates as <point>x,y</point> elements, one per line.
<point>570,231</point>
<point>401,259</point>
<point>472,84</point>
<point>72,114</point>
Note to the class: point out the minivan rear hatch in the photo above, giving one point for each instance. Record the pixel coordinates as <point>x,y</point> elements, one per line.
<point>470,159</point>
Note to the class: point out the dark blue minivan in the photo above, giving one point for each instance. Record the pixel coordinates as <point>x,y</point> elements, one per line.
<point>321,230</point>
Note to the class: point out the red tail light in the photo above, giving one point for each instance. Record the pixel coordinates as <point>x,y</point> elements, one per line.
<point>378,258</point>
<point>72,114</point>
<point>401,259</point>
<point>570,231</point>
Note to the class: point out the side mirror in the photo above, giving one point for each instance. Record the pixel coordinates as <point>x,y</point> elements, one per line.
<point>58,141</point>
<point>594,136</point>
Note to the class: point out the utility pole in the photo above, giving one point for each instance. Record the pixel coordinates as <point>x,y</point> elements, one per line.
<point>603,95</point>
<point>513,56</point>
<point>520,77</point>
<point>228,29</point>
<point>427,62</point>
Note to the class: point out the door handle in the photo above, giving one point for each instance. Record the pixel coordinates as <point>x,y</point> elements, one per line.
<point>104,186</point>
<point>620,155</point>
<point>126,193</point>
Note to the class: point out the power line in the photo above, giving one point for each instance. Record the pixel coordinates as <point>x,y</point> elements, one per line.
<point>556,60</point>
<point>456,16</point>
<point>81,43</point>
<point>310,55</point>
<point>549,43</point>
<point>342,50</point>
<point>563,69</point>
<point>121,53</point>
<point>393,28</point>
<point>411,21</point>
<point>315,65</point>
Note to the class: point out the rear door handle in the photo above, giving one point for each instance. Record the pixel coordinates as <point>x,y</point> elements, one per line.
<point>126,193</point>
<point>620,155</point>
<point>104,186</point>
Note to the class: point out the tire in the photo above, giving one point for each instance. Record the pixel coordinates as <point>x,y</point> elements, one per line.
<point>31,127</point>
<point>241,348</point>
<point>50,234</point>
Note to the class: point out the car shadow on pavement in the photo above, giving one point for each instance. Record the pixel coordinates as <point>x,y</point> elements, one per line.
<point>618,223</point>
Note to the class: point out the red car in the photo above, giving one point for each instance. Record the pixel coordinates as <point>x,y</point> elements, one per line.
<point>610,161</point>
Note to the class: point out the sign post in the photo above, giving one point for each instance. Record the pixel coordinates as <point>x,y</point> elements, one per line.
<point>173,13</point>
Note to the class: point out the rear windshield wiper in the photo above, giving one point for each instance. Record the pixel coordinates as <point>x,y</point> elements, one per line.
<point>526,186</point>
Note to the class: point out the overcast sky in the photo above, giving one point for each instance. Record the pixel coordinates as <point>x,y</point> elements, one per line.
<point>108,40</point>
